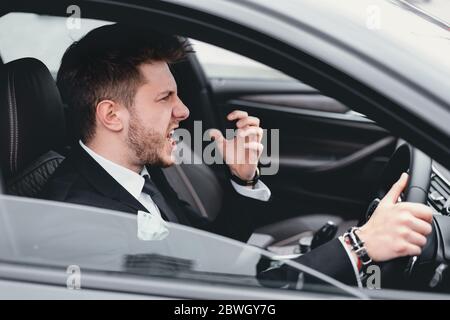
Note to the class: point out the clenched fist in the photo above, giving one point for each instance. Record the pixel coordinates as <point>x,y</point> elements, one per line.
<point>241,153</point>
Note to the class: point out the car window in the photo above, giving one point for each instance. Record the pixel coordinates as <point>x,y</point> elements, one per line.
<point>51,234</point>
<point>42,37</point>
<point>54,38</point>
<point>221,63</point>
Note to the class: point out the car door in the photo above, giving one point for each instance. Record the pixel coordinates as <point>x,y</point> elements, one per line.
<point>328,156</point>
<point>97,253</point>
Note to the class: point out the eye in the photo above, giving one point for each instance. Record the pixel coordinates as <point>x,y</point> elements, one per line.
<point>166,97</point>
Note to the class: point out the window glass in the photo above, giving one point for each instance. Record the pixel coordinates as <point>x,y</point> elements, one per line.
<point>44,233</point>
<point>54,37</point>
<point>221,63</point>
<point>42,37</point>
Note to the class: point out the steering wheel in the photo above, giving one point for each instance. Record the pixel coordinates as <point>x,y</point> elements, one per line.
<point>418,165</point>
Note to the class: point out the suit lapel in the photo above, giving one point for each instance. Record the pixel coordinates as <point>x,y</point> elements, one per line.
<point>105,184</point>
<point>102,181</point>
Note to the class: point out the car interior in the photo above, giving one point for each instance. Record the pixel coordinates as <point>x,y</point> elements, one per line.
<point>330,158</point>
<point>316,151</point>
<point>321,143</point>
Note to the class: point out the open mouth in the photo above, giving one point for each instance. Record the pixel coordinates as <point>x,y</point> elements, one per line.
<point>171,138</point>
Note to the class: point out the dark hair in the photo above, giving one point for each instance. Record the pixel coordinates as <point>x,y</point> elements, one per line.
<point>104,65</point>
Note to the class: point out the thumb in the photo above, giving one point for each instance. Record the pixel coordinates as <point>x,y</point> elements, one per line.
<point>397,189</point>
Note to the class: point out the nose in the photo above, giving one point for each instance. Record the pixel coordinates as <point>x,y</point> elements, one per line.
<point>180,111</point>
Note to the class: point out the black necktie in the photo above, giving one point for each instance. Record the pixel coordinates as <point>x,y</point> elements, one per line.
<point>151,189</point>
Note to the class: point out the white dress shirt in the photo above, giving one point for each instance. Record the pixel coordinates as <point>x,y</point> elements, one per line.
<point>131,181</point>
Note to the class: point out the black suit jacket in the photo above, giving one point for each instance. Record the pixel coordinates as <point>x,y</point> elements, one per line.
<point>81,180</point>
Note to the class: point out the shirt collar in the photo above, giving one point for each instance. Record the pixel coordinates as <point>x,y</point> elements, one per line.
<point>130,180</point>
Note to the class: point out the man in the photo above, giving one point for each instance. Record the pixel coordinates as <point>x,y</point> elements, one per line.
<point>124,102</point>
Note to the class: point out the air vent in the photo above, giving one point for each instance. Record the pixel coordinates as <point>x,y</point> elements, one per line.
<point>439,194</point>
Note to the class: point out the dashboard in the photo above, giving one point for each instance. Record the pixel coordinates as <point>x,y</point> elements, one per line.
<point>439,192</point>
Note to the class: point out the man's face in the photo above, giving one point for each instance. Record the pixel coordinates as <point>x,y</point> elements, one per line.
<point>156,112</point>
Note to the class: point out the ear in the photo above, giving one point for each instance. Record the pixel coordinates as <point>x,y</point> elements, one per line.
<point>110,115</point>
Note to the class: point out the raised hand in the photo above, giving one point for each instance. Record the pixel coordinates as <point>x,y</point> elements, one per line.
<point>241,153</point>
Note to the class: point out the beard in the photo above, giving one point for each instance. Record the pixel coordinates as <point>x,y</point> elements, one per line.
<point>148,145</point>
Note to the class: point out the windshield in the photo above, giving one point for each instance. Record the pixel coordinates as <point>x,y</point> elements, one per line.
<point>49,234</point>
<point>380,21</point>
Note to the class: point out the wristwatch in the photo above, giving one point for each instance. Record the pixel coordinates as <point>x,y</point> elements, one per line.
<point>358,247</point>
<point>246,183</point>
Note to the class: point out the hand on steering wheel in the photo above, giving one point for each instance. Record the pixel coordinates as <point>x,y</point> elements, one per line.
<point>404,233</point>
<point>396,229</point>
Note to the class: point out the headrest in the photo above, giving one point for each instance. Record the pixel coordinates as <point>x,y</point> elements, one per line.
<point>31,114</point>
